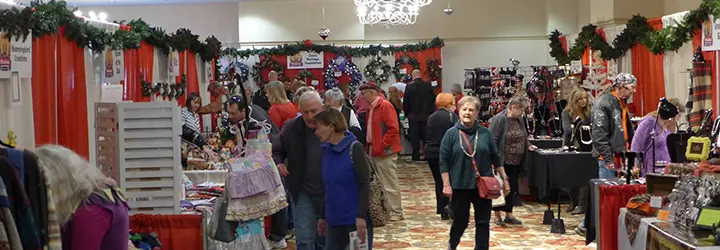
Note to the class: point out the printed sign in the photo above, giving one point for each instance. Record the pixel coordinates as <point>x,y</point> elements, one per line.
<point>114,66</point>
<point>15,56</point>
<point>306,60</point>
<point>174,64</point>
<point>15,86</point>
<point>208,71</point>
<point>711,34</point>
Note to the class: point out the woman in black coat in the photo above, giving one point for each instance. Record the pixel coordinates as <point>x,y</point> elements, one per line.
<point>438,123</point>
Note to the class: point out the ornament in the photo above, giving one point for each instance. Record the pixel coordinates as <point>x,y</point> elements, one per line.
<point>33,10</point>
<point>324,33</point>
<point>308,43</point>
<point>449,10</point>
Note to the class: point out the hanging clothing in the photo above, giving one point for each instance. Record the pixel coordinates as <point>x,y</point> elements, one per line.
<point>701,93</point>
<point>9,238</point>
<point>19,205</point>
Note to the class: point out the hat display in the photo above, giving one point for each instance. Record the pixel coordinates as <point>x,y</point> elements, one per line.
<point>624,78</point>
<point>667,110</point>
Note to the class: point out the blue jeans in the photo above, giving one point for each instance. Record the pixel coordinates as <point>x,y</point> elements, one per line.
<point>338,237</point>
<point>603,173</point>
<point>306,211</point>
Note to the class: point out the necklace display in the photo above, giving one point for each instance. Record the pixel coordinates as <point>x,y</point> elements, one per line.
<point>541,115</point>
<point>585,128</point>
<point>530,123</point>
<point>557,126</point>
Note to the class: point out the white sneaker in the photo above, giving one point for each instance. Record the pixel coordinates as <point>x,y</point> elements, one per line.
<point>281,244</point>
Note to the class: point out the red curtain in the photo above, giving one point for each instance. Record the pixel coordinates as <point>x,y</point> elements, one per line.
<point>648,69</point>
<point>146,56</point>
<point>709,57</point>
<point>175,232</point>
<point>44,98</point>
<point>131,84</point>
<point>563,43</point>
<point>612,198</point>
<point>192,75</point>
<point>181,57</point>
<point>422,57</point>
<point>72,111</point>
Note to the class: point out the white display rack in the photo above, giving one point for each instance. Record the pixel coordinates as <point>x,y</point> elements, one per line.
<point>138,145</point>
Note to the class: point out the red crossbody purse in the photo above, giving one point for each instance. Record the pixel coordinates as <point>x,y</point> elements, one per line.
<point>488,186</point>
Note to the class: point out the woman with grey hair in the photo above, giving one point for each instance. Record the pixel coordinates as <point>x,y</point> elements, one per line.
<point>468,150</point>
<point>335,98</point>
<point>89,206</point>
<point>299,92</point>
<point>511,140</point>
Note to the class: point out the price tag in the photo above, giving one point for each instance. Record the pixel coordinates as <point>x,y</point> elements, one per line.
<point>434,83</point>
<point>314,82</point>
<point>403,71</point>
<point>337,74</point>
<point>656,202</point>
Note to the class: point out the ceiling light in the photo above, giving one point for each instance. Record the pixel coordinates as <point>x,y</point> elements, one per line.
<point>92,15</point>
<point>103,17</point>
<point>389,12</point>
<point>78,13</point>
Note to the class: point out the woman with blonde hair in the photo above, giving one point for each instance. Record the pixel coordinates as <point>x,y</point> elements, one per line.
<point>662,122</point>
<point>438,123</point>
<point>281,109</point>
<point>89,206</point>
<point>577,112</point>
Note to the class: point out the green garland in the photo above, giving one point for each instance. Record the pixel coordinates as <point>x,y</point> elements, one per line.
<point>402,61</point>
<point>304,75</point>
<point>265,63</point>
<point>637,30</point>
<point>46,18</point>
<point>434,69</point>
<point>371,70</point>
<point>372,50</point>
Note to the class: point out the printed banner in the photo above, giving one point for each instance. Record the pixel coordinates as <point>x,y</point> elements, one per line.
<point>711,34</point>
<point>114,70</point>
<point>208,71</point>
<point>15,56</point>
<point>173,64</point>
<point>306,60</point>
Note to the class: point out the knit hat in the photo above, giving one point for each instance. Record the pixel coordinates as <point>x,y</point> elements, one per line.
<point>624,79</point>
<point>369,85</point>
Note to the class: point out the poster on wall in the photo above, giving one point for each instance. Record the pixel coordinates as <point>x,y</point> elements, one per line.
<point>711,34</point>
<point>174,64</point>
<point>113,70</point>
<point>306,60</point>
<point>208,71</point>
<point>15,55</point>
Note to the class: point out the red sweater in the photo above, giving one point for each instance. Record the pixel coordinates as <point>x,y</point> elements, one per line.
<point>280,113</point>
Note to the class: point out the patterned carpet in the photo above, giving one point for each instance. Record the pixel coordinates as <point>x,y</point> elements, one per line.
<point>423,229</point>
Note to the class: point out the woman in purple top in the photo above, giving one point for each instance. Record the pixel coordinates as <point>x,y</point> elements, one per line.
<point>670,111</point>
<point>90,210</point>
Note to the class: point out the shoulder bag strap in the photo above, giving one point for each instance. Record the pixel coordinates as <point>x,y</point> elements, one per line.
<point>467,144</point>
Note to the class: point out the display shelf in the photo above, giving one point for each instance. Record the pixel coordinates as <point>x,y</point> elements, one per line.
<point>138,145</point>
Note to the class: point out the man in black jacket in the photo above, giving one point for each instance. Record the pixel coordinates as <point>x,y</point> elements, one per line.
<point>298,156</point>
<point>418,104</point>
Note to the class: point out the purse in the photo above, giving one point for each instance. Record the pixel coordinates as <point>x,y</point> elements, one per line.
<point>378,206</point>
<point>219,228</point>
<point>488,186</point>
<point>499,201</point>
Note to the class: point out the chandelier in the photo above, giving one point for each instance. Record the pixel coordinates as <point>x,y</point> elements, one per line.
<point>389,12</point>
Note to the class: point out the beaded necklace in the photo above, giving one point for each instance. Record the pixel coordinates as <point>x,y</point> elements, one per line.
<point>460,135</point>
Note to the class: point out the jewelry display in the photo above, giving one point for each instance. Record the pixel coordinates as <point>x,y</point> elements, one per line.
<point>557,126</point>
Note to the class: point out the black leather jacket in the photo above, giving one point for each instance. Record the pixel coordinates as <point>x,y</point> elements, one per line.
<point>607,129</point>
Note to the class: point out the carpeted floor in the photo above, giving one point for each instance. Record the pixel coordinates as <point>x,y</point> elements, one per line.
<point>423,229</point>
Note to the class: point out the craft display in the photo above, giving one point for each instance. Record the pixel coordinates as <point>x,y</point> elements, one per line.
<point>378,70</point>
<point>166,90</point>
<point>690,195</point>
<point>267,62</point>
<point>434,69</point>
<point>337,67</point>
<point>698,148</point>
<point>399,63</point>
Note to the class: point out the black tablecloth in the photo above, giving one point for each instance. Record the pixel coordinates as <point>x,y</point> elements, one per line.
<point>550,170</point>
<point>547,143</point>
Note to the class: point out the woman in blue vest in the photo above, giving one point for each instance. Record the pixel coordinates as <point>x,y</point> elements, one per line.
<point>346,177</point>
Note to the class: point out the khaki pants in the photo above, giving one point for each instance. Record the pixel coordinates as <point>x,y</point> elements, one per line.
<point>387,172</point>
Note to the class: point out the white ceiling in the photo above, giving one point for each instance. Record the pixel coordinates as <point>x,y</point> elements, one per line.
<point>156,2</point>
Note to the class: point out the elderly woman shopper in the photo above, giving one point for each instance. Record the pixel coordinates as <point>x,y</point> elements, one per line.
<point>467,146</point>
<point>336,99</point>
<point>346,177</point>
<point>89,206</point>
<point>511,140</point>
<point>439,122</point>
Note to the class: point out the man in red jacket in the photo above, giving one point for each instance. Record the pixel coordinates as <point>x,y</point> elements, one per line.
<point>383,142</point>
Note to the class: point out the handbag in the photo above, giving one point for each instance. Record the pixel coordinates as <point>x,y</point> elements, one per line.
<point>499,201</point>
<point>378,206</point>
<point>219,228</point>
<point>488,186</point>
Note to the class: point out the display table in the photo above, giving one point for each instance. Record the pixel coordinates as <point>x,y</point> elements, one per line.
<point>606,199</point>
<point>547,143</point>
<point>553,170</point>
<point>653,233</point>
<point>203,176</point>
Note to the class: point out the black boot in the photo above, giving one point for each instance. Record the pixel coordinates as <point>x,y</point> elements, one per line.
<point>582,200</point>
<point>573,199</point>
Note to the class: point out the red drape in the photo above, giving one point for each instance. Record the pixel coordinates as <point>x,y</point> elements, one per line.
<point>146,55</point>
<point>612,198</point>
<point>44,98</point>
<point>175,232</point>
<point>72,111</point>
<point>648,69</point>
<point>563,43</point>
<point>181,57</point>
<point>422,57</point>
<point>192,75</point>
<point>709,57</point>
<point>131,84</point>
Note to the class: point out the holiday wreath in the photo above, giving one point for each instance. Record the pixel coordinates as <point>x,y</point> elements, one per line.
<point>378,70</point>
<point>403,61</point>
<point>304,75</point>
<point>342,65</point>
<point>434,69</point>
<point>266,63</point>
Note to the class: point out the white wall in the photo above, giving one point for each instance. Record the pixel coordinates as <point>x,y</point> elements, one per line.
<point>675,6</point>
<point>217,19</point>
